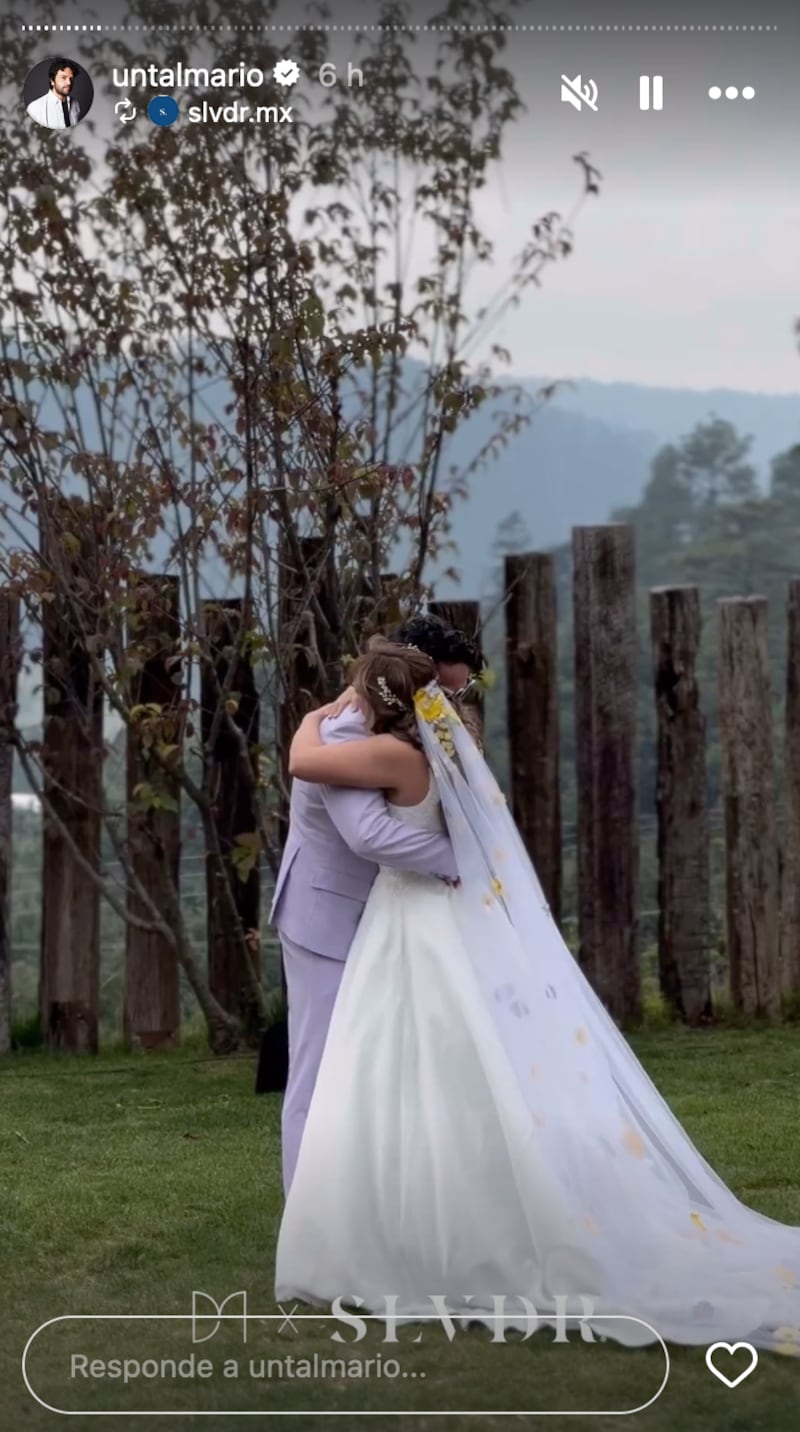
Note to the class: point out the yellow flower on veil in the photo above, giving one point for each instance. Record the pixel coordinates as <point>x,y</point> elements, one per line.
<point>436,711</point>
<point>485,679</point>
<point>788,1341</point>
<point>429,707</point>
<point>633,1141</point>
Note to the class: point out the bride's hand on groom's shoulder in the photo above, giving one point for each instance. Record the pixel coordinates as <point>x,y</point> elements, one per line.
<point>318,714</point>
<point>349,698</point>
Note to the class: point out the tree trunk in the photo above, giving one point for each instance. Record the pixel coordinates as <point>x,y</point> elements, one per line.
<point>308,650</point>
<point>681,805</point>
<point>790,902</point>
<point>310,660</point>
<point>605,739</point>
<point>10,654</point>
<point>390,613</point>
<point>232,786</point>
<point>151,1005</point>
<point>532,700</point>
<point>748,780</point>
<point>72,760</point>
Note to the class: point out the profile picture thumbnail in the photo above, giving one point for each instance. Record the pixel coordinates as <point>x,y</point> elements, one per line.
<point>58,93</point>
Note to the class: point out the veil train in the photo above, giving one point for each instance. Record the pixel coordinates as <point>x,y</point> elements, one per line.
<point>653,1229</point>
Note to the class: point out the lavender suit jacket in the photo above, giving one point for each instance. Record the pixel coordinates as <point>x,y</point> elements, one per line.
<point>337,838</point>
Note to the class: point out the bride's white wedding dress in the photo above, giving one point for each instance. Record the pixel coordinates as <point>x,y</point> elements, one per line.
<point>480,1129</point>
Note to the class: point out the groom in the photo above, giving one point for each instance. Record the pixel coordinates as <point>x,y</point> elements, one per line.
<point>336,840</point>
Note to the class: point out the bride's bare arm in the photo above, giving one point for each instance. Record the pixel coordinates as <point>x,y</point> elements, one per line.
<point>375,763</point>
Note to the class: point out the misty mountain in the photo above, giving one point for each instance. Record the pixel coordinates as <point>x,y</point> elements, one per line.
<point>668,413</point>
<point>588,451</point>
<point>584,454</point>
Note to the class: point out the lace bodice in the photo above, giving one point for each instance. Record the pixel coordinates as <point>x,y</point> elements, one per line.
<point>426,814</point>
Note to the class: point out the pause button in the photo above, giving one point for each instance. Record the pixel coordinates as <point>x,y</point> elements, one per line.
<point>651,91</point>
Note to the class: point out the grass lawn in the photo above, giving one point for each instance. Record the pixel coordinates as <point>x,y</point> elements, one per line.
<point>126,1183</point>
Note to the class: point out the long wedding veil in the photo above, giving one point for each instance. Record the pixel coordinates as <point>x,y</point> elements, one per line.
<point>652,1227</point>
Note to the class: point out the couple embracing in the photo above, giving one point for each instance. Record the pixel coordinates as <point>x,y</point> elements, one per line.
<point>463,1120</point>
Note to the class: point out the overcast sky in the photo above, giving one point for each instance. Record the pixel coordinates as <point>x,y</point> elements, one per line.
<point>685,271</point>
<point>676,289</point>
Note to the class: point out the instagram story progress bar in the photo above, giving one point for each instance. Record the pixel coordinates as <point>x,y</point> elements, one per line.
<point>651,91</point>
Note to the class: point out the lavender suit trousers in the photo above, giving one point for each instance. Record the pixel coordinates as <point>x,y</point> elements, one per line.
<point>312,983</point>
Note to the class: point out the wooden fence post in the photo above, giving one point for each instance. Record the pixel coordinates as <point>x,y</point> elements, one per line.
<point>681,805</point>
<point>790,891</point>
<point>466,617</point>
<point>532,705</point>
<point>390,614</point>
<point>235,812</point>
<point>151,1016</point>
<point>748,782</point>
<point>72,762</point>
<point>10,659</point>
<point>373,612</point>
<point>605,740</point>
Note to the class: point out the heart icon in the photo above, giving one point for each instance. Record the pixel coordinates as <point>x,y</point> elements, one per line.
<point>731,1348</point>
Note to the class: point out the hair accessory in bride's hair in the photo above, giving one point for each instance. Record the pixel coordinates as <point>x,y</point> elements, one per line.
<point>409,646</point>
<point>388,695</point>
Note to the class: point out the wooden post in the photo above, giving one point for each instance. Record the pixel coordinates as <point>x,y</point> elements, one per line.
<point>464,616</point>
<point>72,760</point>
<point>235,812</point>
<point>10,657</point>
<point>151,1003</point>
<point>681,805</point>
<point>748,783</point>
<point>790,892</point>
<point>390,613</point>
<point>532,703</point>
<point>605,740</point>
<point>374,608</point>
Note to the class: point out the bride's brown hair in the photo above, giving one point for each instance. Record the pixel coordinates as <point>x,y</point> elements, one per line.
<point>387,677</point>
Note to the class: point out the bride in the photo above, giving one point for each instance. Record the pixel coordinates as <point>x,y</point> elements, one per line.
<point>480,1129</point>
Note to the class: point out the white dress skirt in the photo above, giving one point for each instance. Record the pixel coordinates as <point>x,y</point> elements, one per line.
<point>422,1172</point>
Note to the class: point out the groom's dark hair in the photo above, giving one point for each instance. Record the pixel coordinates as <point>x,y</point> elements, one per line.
<point>442,643</point>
